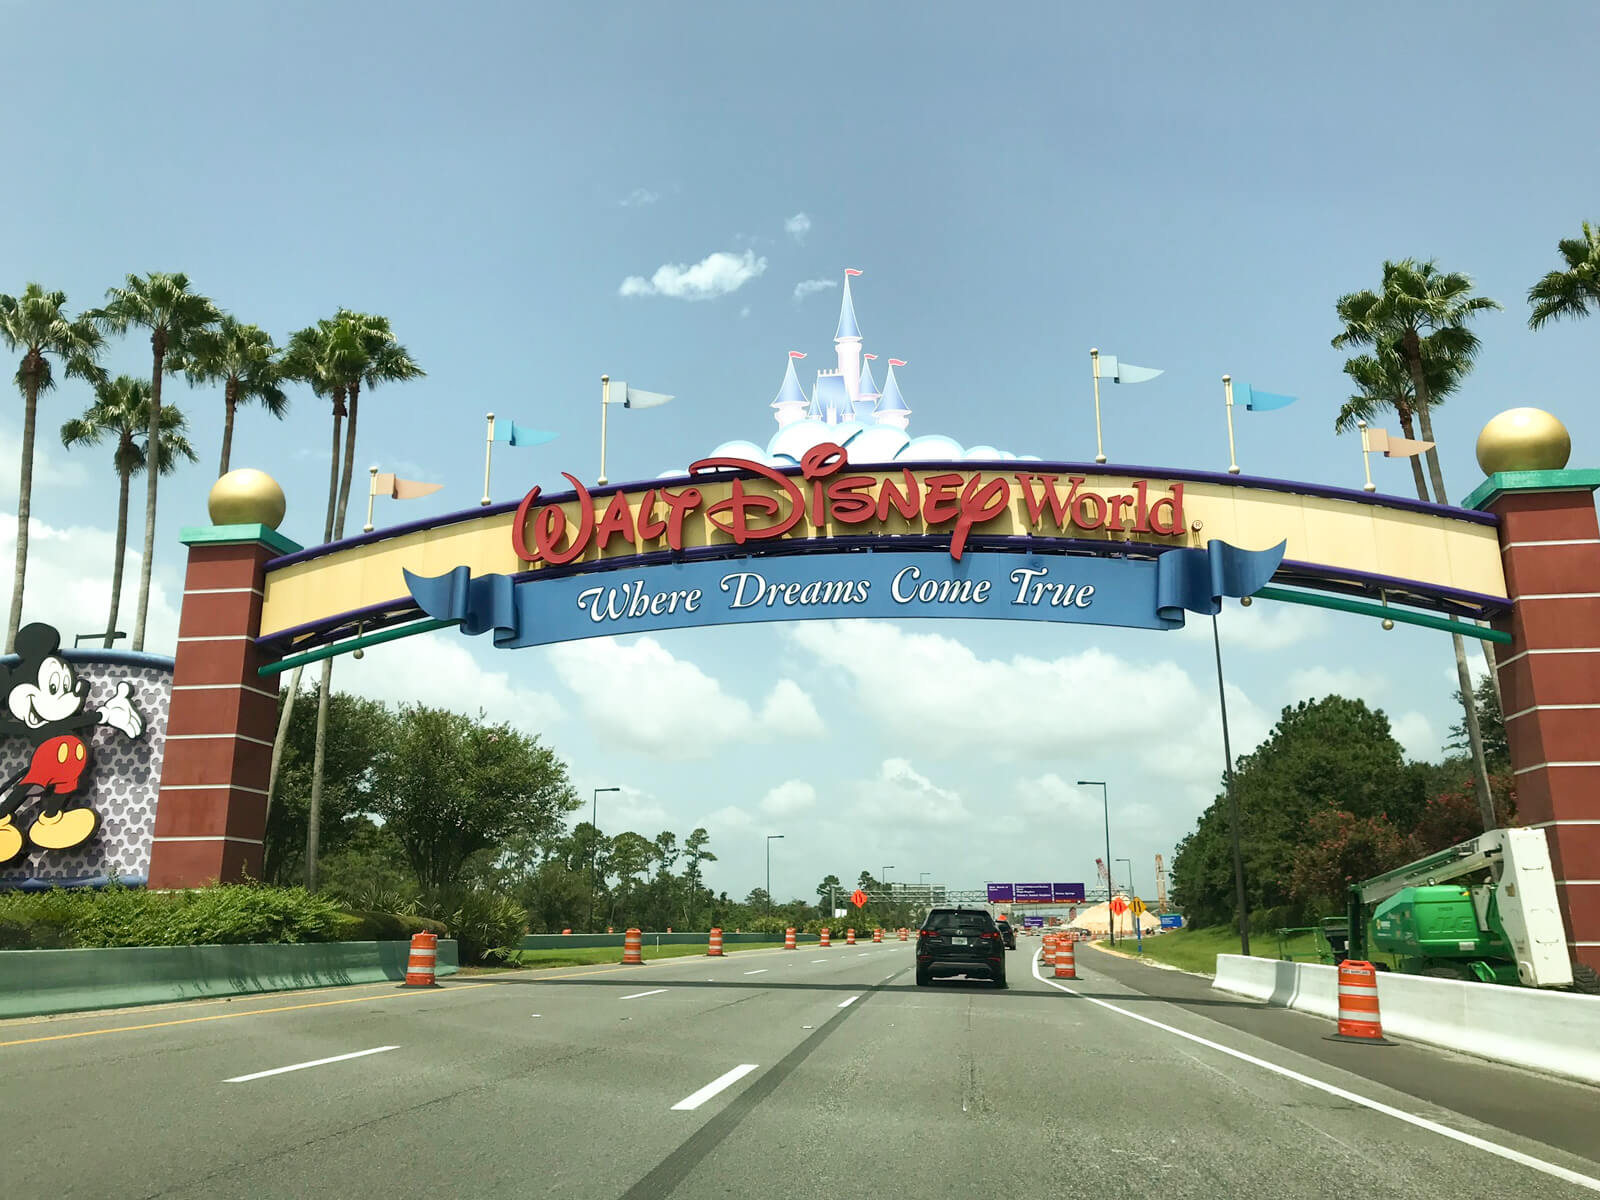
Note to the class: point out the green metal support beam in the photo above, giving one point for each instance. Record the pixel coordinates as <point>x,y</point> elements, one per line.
<point>355,643</point>
<point>1400,616</point>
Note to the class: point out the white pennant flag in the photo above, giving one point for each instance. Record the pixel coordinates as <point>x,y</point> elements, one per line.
<point>632,397</point>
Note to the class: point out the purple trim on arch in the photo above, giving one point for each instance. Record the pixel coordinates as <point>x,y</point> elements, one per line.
<point>1467,601</point>
<point>1011,466</point>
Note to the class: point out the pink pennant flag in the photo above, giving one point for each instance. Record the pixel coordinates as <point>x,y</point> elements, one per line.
<point>386,483</point>
<point>869,356</point>
<point>796,354</point>
<point>852,271</point>
<point>1395,447</point>
<point>897,362</point>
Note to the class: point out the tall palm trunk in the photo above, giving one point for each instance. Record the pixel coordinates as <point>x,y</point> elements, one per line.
<point>230,402</point>
<point>30,420</point>
<point>121,552</point>
<point>152,449</point>
<point>349,457</point>
<point>335,529</point>
<point>1469,704</point>
<point>1408,427</point>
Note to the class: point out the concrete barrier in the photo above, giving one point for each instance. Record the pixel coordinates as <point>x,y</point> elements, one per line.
<point>38,982</point>
<point>1554,1032</point>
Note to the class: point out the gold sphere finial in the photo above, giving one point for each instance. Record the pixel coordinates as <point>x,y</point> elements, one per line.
<point>1244,601</point>
<point>246,497</point>
<point>1388,623</point>
<point>1524,439</point>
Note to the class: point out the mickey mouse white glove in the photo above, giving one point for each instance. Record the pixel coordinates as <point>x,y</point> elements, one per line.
<point>119,712</point>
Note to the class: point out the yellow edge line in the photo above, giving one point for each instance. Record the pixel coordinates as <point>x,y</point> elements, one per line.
<point>228,1016</point>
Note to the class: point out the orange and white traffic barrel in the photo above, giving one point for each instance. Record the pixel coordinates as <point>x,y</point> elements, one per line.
<point>788,938</point>
<point>1048,954</point>
<point>877,935</point>
<point>849,937</point>
<point>904,934</point>
<point>420,965</point>
<point>825,942</point>
<point>566,933</point>
<point>1066,967</point>
<point>714,946</point>
<point>1358,1004</point>
<point>632,948</point>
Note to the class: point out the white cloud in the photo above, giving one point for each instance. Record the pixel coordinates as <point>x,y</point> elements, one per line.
<point>439,670</point>
<point>900,795</point>
<point>1313,683</point>
<point>715,275</point>
<point>789,798</point>
<point>798,226</point>
<point>1415,734</point>
<point>53,467</point>
<point>68,584</point>
<point>1264,626</point>
<point>807,287</point>
<point>639,198</point>
<point>674,709</point>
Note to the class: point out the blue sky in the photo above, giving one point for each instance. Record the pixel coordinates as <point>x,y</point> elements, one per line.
<point>1190,192</point>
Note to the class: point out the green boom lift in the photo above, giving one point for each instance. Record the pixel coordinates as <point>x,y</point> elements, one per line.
<point>1483,910</point>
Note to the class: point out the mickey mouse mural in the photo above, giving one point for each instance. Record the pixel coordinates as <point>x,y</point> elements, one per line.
<point>45,703</point>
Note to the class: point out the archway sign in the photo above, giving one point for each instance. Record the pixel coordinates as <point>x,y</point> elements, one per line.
<point>737,539</point>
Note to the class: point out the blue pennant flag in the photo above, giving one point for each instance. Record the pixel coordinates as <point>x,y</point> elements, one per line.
<point>1257,401</point>
<point>520,435</point>
<point>1197,580</point>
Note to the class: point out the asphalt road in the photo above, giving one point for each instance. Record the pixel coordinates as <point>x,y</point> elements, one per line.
<point>764,1074</point>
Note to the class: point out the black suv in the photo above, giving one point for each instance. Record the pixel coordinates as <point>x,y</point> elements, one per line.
<point>960,941</point>
<point>1006,932</point>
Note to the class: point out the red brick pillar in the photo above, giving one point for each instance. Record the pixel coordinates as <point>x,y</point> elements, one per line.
<point>212,809</point>
<point>1550,676</point>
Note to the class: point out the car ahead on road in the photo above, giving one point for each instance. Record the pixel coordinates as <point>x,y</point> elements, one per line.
<point>1007,934</point>
<point>960,941</point>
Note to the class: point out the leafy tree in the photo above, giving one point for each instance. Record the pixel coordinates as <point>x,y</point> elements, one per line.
<point>1491,723</point>
<point>1569,293</point>
<point>1340,848</point>
<point>1383,384</point>
<point>450,786</point>
<point>1420,315</point>
<point>830,889</point>
<point>163,303</point>
<point>121,410</point>
<point>361,729</point>
<point>244,361</point>
<point>758,900</point>
<point>1449,816</point>
<point>695,852</point>
<point>37,323</point>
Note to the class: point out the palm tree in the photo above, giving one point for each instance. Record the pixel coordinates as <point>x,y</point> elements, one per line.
<point>1569,293</point>
<point>244,361</point>
<point>336,357</point>
<point>122,409</point>
<point>163,303</point>
<point>1383,383</point>
<point>36,323</point>
<point>1419,317</point>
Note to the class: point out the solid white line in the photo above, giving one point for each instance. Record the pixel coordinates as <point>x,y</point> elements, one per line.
<point>316,1062</point>
<point>651,992</point>
<point>762,971</point>
<point>849,1002</point>
<point>864,953</point>
<point>696,1099</point>
<point>1505,1152</point>
<point>817,960</point>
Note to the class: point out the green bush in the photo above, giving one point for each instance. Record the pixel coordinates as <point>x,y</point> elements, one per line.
<point>385,926</point>
<point>482,921</point>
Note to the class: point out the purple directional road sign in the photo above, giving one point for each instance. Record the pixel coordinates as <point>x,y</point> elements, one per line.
<point>1034,893</point>
<point>1000,893</point>
<point>1067,893</point>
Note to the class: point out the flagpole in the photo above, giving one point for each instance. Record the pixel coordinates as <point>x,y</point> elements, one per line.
<point>488,451</point>
<point>1094,368</point>
<point>1366,463</point>
<point>372,491</point>
<point>1227,395</point>
<point>605,401</point>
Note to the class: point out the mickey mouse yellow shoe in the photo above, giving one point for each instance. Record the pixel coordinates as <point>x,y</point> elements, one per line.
<point>12,844</point>
<point>64,830</point>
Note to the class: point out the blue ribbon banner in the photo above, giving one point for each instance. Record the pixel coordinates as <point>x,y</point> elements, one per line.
<point>1135,593</point>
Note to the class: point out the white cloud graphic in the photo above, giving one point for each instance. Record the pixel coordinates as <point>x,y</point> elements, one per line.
<point>798,226</point>
<point>809,287</point>
<point>714,275</point>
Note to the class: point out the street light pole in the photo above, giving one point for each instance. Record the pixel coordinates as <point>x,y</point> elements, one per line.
<point>1105,803</point>
<point>1242,905</point>
<point>771,837</point>
<point>594,842</point>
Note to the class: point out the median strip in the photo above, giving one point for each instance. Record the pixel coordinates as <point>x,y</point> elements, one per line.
<point>696,1099</point>
<point>316,1062</point>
